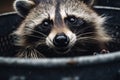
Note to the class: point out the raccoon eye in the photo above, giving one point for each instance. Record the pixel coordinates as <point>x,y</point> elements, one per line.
<point>72,19</point>
<point>45,26</point>
<point>47,23</point>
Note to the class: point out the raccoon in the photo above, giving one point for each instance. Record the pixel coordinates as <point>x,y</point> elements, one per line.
<point>59,28</point>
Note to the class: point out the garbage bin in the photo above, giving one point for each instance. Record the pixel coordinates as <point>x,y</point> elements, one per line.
<point>98,67</point>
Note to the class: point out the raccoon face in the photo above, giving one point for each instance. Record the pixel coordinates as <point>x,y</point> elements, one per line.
<point>61,25</point>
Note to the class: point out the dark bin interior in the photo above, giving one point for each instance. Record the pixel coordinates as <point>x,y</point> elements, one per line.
<point>99,67</point>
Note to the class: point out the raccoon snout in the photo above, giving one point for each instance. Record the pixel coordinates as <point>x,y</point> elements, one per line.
<point>61,40</point>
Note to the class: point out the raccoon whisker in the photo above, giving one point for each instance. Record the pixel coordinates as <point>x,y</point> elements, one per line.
<point>40,54</point>
<point>20,53</point>
<point>85,34</point>
<point>36,36</point>
<point>37,32</point>
<point>23,53</point>
<point>77,32</point>
<point>34,54</point>
<point>41,43</point>
<point>27,53</point>
<point>30,54</point>
<point>50,40</point>
<point>84,38</point>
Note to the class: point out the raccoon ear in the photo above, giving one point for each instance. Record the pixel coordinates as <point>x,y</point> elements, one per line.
<point>23,6</point>
<point>89,2</point>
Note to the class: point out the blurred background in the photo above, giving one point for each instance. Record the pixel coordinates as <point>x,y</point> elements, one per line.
<point>6,6</point>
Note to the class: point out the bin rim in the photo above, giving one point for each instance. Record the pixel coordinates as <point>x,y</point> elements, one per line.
<point>57,62</point>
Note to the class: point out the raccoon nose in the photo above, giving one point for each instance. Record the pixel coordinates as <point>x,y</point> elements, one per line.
<point>61,40</point>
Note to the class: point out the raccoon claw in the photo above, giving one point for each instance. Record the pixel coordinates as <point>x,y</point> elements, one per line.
<point>103,51</point>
